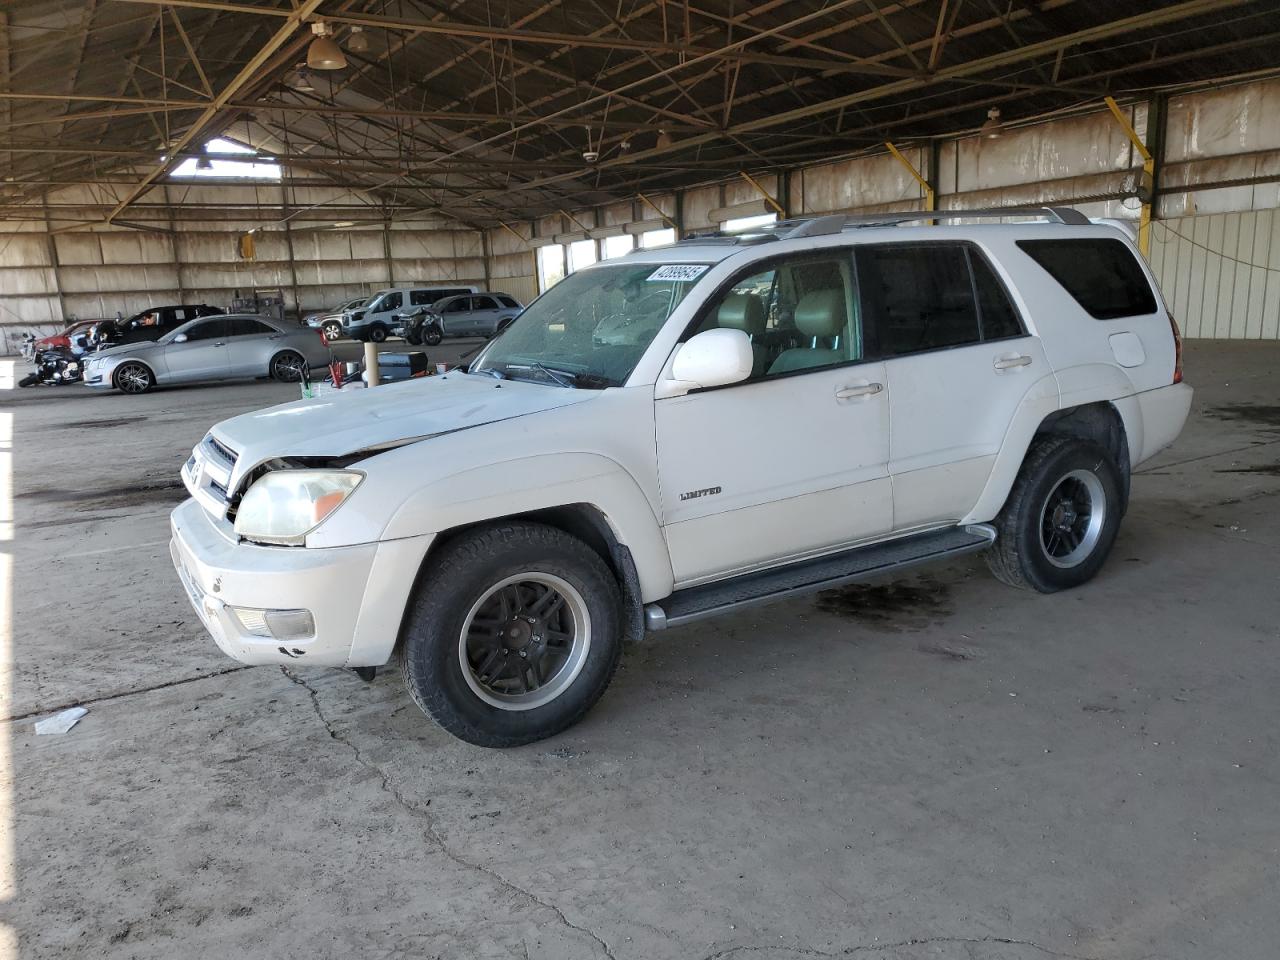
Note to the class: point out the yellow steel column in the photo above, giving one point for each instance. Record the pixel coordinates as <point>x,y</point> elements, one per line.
<point>1148,168</point>
<point>929,198</point>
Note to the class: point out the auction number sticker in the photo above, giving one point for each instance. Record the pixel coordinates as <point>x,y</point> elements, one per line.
<point>677,273</point>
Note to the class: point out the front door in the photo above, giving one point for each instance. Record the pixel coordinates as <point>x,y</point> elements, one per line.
<point>793,461</point>
<point>203,355</point>
<point>958,362</point>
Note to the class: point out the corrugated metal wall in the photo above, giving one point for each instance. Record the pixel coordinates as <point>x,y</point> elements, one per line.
<point>1220,274</point>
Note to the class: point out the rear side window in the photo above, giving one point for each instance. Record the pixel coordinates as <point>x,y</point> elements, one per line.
<point>508,302</point>
<point>243,326</point>
<point>998,317</point>
<point>919,297</point>
<point>1102,275</point>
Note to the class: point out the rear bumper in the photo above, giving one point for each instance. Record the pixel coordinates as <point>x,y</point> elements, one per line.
<point>1164,412</point>
<point>356,595</point>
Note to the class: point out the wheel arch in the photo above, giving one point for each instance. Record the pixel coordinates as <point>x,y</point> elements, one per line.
<point>281,352</point>
<point>1092,402</point>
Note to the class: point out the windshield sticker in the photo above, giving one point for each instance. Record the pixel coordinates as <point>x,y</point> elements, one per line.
<point>677,273</point>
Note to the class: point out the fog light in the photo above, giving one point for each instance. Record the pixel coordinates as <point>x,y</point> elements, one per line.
<point>276,624</point>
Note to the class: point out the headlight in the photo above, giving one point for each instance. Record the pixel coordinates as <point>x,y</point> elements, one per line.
<point>285,505</point>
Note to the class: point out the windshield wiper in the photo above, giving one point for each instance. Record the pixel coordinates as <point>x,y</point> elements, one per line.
<point>557,376</point>
<point>491,371</point>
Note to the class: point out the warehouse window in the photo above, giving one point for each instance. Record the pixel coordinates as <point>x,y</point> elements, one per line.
<point>1102,275</point>
<point>582,253</point>
<point>657,238</point>
<point>550,266</point>
<point>750,223</point>
<point>618,246</point>
<point>252,167</point>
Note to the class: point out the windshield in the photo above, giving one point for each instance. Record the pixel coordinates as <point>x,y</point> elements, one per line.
<point>592,327</point>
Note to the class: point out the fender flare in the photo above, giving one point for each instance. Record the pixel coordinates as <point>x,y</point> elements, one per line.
<point>1070,387</point>
<point>547,481</point>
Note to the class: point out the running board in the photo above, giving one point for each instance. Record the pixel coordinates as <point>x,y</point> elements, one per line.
<point>810,576</point>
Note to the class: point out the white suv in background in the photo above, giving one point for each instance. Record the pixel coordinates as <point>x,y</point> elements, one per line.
<point>681,432</point>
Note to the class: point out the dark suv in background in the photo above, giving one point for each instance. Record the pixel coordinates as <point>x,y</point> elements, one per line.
<point>150,324</point>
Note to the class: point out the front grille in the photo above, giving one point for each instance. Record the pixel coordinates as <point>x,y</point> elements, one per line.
<point>218,488</point>
<point>221,450</point>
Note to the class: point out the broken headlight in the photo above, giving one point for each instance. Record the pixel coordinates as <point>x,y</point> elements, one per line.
<point>285,505</point>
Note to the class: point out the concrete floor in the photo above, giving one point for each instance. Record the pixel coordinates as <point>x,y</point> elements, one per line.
<point>939,767</point>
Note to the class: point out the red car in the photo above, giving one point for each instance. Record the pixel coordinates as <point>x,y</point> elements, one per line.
<point>63,339</point>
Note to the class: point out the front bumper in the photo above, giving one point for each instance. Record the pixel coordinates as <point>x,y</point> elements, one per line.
<point>356,595</point>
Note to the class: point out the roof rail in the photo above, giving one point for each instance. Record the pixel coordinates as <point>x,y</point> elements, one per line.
<point>834,223</point>
<point>821,226</point>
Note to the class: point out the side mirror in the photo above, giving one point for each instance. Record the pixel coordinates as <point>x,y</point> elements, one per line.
<point>713,358</point>
<point>180,338</point>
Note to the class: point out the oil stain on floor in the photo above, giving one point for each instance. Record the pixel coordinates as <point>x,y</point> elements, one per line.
<point>909,604</point>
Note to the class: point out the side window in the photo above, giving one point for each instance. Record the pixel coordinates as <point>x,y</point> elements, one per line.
<point>509,302</point>
<point>801,314</point>
<point>483,303</point>
<point>920,297</point>
<point>243,326</point>
<point>1102,275</point>
<point>180,315</point>
<point>460,305</point>
<point>392,301</point>
<point>996,312</point>
<point>209,330</point>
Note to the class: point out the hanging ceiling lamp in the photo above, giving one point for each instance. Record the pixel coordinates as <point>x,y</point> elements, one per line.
<point>204,163</point>
<point>358,42</point>
<point>324,53</point>
<point>993,129</point>
<point>664,139</point>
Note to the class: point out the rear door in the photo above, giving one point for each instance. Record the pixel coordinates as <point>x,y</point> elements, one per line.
<point>203,355</point>
<point>958,362</point>
<point>249,347</point>
<point>484,315</point>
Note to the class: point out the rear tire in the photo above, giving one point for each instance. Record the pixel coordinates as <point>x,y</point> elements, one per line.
<point>1061,518</point>
<point>501,602</point>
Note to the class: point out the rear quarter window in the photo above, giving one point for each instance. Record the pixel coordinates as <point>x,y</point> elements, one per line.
<point>1102,275</point>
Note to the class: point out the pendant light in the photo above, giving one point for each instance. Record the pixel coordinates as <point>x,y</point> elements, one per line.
<point>324,53</point>
<point>358,42</point>
<point>993,129</point>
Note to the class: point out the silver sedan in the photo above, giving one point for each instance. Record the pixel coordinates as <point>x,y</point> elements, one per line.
<point>211,348</point>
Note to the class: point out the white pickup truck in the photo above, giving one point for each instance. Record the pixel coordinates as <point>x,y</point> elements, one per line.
<point>681,432</point>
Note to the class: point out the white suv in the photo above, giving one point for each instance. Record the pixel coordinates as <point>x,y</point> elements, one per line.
<point>684,431</point>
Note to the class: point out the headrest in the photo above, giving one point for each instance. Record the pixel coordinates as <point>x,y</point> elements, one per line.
<point>821,313</point>
<point>742,311</point>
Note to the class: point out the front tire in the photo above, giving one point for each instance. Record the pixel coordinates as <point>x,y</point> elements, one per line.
<point>332,331</point>
<point>1061,518</point>
<point>377,333</point>
<point>134,377</point>
<point>432,335</point>
<point>513,634</point>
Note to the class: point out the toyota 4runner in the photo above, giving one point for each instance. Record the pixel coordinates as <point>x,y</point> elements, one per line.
<point>682,432</point>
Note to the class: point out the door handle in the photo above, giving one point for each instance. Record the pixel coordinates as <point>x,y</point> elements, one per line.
<point>1011,362</point>
<point>220,343</point>
<point>859,390</point>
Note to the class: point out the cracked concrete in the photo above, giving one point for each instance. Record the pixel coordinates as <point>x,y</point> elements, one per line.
<point>946,769</point>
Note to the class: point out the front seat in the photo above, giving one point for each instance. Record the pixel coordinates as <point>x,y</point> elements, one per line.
<point>820,314</point>
<point>745,312</point>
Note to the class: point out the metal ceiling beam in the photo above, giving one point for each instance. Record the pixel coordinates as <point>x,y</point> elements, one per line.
<point>242,79</point>
<point>1179,11</point>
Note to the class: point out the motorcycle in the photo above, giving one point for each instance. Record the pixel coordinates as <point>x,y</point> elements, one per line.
<point>57,367</point>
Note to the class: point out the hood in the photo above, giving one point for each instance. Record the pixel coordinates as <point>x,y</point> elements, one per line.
<point>58,340</point>
<point>386,416</point>
<point>132,347</point>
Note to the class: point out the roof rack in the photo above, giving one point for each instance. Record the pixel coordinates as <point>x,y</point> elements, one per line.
<point>839,222</point>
